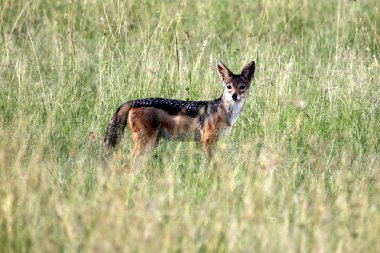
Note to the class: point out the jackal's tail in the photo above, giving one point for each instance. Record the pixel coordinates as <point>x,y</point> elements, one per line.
<point>117,125</point>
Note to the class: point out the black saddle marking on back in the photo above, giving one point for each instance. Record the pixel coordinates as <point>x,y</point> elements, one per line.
<point>178,107</point>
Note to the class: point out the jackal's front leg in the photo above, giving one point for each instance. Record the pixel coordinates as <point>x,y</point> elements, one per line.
<point>209,142</point>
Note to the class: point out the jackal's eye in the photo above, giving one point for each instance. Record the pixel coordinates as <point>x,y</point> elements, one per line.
<point>242,87</point>
<point>229,86</point>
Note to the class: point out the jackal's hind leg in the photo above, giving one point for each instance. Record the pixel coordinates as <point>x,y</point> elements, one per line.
<point>143,145</point>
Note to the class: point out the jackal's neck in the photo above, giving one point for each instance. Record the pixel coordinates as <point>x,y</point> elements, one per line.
<point>232,109</point>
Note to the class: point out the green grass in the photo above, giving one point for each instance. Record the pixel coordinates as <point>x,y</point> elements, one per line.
<point>299,172</point>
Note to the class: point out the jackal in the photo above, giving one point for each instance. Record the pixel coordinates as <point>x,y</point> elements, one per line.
<point>153,118</point>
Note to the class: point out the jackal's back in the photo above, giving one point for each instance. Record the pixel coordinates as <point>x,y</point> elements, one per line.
<point>176,107</point>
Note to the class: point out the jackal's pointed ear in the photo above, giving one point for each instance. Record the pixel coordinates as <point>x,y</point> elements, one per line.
<point>224,72</point>
<point>248,71</point>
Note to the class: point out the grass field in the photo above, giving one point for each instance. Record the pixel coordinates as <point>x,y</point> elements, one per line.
<point>300,171</point>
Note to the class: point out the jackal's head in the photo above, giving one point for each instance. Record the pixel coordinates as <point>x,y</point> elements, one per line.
<point>236,86</point>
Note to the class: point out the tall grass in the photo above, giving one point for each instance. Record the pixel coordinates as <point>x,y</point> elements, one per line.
<point>299,172</point>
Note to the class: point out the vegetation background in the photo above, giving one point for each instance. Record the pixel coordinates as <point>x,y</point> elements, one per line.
<point>299,172</point>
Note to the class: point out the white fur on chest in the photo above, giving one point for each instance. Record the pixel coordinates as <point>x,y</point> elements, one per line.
<point>234,112</point>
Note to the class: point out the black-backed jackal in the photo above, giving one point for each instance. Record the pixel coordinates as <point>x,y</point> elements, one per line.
<point>153,118</point>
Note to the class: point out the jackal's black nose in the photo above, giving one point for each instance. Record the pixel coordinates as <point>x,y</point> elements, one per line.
<point>234,97</point>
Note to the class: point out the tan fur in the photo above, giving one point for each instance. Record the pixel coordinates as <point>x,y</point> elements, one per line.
<point>144,124</point>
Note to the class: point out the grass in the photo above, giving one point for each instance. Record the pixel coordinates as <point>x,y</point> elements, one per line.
<point>299,172</point>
